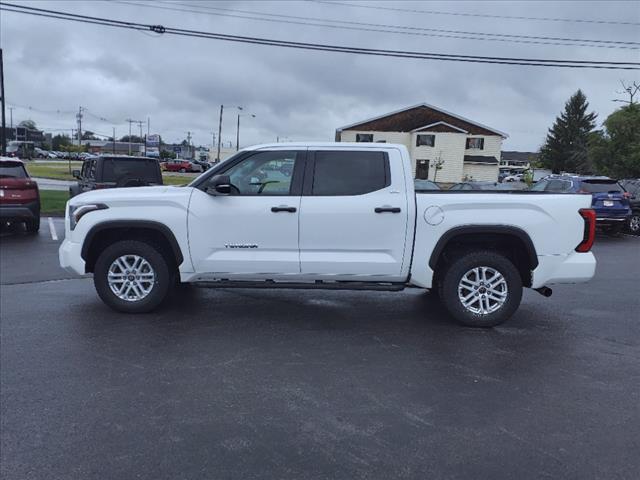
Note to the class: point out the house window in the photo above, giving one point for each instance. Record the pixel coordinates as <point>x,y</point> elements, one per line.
<point>425,140</point>
<point>364,137</point>
<point>475,143</point>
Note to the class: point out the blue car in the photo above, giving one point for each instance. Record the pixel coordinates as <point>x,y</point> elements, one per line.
<point>609,199</point>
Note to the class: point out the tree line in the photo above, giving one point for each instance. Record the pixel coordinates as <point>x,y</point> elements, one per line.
<point>574,144</point>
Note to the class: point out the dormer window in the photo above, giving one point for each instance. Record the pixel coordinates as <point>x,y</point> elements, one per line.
<point>425,140</point>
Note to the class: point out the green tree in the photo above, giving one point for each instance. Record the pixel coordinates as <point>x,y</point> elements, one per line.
<point>134,139</point>
<point>89,135</point>
<point>615,151</point>
<point>60,141</point>
<point>30,124</point>
<point>566,145</point>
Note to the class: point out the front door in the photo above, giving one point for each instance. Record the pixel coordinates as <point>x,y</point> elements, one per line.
<point>353,216</point>
<point>422,169</point>
<point>252,232</point>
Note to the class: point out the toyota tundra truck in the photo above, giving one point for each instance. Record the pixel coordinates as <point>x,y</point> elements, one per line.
<point>328,216</point>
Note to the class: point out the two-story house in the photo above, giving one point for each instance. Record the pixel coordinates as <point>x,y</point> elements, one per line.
<point>445,147</point>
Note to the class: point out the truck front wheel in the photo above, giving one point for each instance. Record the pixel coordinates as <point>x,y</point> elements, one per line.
<point>481,289</point>
<point>132,276</point>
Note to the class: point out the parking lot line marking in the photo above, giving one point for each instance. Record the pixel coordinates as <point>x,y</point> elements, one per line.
<point>52,229</point>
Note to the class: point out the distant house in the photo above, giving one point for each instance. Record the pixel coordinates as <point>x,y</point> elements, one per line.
<point>514,161</point>
<point>434,137</point>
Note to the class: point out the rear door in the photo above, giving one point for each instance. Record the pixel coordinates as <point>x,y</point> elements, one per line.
<point>353,215</point>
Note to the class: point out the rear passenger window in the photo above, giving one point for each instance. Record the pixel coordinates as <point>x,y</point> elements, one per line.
<point>559,186</point>
<point>350,173</point>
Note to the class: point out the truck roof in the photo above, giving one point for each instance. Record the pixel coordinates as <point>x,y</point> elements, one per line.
<point>324,145</point>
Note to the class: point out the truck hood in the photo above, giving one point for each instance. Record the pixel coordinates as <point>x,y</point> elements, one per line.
<point>134,195</point>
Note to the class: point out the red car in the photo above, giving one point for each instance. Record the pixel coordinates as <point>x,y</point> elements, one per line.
<point>19,195</point>
<point>181,166</point>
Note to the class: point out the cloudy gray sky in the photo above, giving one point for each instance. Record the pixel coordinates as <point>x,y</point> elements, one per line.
<point>53,66</point>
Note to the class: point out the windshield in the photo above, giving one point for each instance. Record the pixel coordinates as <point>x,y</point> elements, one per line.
<point>115,170</point>
<point>601,186</point>
<point>12,170</point>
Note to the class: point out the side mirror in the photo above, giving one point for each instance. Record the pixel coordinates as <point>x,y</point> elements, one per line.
<point>75,173</point>
<point>219,185</point>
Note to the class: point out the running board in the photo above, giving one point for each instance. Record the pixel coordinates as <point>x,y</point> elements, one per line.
<point>318,285</point>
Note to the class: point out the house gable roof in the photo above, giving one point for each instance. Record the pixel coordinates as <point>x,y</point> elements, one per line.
<point>416,117</point>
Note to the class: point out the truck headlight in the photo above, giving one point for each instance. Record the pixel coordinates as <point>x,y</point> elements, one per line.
<point>76,212</point>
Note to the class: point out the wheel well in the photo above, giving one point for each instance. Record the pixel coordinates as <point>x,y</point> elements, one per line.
<point>513,246</point>
<point>97,241</point>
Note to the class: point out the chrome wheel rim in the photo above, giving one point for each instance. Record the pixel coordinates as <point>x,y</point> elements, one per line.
<point>482,290</point>
<point>634,223</point>
<point>131,278</point>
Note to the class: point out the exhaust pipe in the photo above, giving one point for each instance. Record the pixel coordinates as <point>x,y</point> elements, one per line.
<point>544,291</point>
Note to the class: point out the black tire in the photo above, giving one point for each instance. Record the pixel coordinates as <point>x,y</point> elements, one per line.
<point>454,273</point>
<point>182,170</point>
<point>32,226</point>
<point>634,224</point>
<point>164,278</point>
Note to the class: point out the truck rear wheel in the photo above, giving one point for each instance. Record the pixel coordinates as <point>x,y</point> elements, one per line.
<point>132,276</point>
<point>481,289</point>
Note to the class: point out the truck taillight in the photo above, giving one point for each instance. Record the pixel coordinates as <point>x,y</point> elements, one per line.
<point>589,217</point>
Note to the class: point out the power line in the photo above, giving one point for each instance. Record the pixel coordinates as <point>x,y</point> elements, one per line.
<point>320,47</point>
<point>385,28</point>
<point>483,15</point>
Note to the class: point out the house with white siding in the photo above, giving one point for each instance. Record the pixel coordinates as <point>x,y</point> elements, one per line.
<point>444,147</point>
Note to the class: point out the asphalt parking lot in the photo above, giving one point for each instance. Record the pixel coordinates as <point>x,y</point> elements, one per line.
<point>306,384</point>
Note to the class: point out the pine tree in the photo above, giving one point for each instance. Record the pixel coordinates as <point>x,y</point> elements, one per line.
<point>565,148</point>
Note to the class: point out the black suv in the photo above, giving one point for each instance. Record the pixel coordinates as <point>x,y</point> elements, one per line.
<point>116,172</point>
<point>632,186</point>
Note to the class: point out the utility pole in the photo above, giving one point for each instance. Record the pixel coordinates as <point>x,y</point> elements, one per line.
<point>140,122</point>
<point>3,136</point>
<point>130,122</point>
<point>114,140</point>
<point>15,134</point>
<point>79,117</point>
<point>219,132</point>
<point>147,137</point>
<point>238,128</point>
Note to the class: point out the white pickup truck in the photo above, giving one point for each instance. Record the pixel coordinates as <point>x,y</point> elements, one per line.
<point>328,216</point>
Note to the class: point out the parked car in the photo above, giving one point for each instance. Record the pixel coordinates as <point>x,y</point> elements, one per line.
<point>609,199</point>
<point>19,195</point>
<point>516,177</point>
<point>422,185</point>
<point>40,153</point>
<point>182,166</point>
<point>468,186</point>
<point>632,186</point>
<point>347,218</point>
<point>204,164</point>
<point>114,172</point>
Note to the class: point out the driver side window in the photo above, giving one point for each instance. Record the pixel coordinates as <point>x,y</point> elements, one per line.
<point>265,173</point>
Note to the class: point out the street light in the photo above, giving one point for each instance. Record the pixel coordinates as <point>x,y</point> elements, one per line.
<point>238,127</point>
<point>220,131</point>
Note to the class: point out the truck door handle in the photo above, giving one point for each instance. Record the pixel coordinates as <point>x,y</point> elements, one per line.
<point>283,209</point>
<point>387,209</point>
